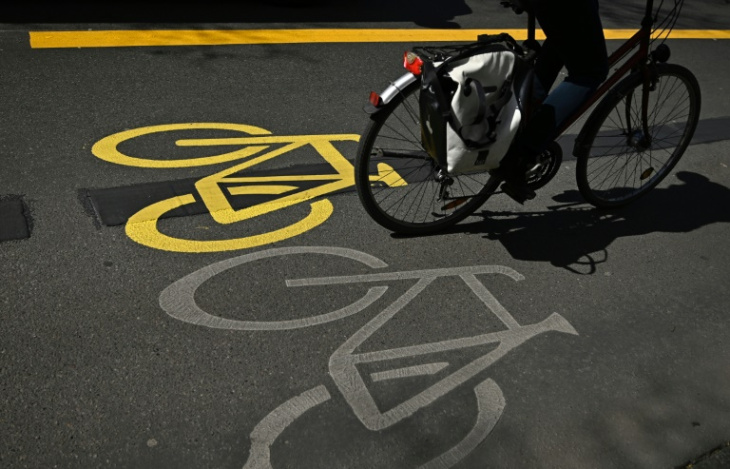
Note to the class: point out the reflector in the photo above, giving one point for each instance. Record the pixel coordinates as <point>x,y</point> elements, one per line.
<point>412,62</point>
<point>375,99</point>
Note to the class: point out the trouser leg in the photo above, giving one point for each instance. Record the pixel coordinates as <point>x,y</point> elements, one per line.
<point>580,47</point>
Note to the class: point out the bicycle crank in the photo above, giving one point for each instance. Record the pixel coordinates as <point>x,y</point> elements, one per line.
<point>546,168</point>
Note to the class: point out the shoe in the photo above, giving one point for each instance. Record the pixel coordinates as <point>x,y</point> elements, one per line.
<point>519,192</point>
<point>515,173</point>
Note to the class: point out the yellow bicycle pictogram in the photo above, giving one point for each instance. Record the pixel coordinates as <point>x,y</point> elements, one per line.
<point>256,147</point>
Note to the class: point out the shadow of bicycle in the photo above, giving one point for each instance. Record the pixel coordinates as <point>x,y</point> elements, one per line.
<point>576,236</point>
<point>709,130</point>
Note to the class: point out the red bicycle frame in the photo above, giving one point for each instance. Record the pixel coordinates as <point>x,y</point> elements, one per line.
<point>639,59</point>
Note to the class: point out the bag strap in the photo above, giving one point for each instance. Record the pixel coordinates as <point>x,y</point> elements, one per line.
<point>474,86</point>
<point>474,134</point>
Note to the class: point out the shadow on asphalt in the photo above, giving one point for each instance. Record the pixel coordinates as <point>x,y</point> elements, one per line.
<point>575,236</point>
<point>427,13</point>
<point>704,14</point>
<point>710,130</point>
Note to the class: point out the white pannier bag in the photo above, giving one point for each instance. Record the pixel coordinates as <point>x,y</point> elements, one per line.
<point>469,110</point>
<point>495,115</point>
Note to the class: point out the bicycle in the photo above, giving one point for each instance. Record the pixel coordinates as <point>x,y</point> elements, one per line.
<point>629,143</point>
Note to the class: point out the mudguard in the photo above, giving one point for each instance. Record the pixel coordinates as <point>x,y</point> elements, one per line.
<point>391,92</point>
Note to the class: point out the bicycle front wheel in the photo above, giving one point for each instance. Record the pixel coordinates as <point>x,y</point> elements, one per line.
<point>622,159</point>
<point>400,186</point>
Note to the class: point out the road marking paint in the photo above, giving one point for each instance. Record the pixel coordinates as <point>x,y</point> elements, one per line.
<point>490,404</point>
<point>389,176</point>
<point>409,371</point>
<point>142,228</point>
<point>269,429</point>
<point>488,299</point>
<point>106,148</point>
<point>221,209</point>
<point>178,300</point>
<point>215,191</point>
<point>151,38</point>
<point>258,190</point>
<point>406,275</point>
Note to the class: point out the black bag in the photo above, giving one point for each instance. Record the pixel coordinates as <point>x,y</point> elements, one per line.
<point>435,110</point>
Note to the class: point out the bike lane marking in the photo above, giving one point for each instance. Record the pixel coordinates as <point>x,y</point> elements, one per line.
<point>409,371</point>
<point>258,147</point>
<point>217,202</point>
<point>142,228</point>
<point>178,301</point>
<point>268,430</point>
<point>490,407</point>
<point>155,38</point>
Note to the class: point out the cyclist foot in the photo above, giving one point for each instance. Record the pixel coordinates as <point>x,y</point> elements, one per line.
<point>515,174</point>
<point>520,193</point>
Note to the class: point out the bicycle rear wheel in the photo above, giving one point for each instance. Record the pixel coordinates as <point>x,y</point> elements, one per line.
<point>400,186</point>
<point>620,161</point>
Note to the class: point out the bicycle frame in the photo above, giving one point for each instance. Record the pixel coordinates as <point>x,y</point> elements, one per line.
<point>641,39</point>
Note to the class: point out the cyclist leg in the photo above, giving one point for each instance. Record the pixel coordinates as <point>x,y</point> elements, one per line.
<point>581,48</point>
<point>548,65</point>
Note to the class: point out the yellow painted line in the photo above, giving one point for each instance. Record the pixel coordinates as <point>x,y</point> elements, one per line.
<point>261,190</point>
<point>291,178</point>
<point>142,228</point>
<point>126,38</point>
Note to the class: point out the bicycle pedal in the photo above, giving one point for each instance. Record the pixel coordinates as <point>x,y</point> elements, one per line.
<point>519,194</point>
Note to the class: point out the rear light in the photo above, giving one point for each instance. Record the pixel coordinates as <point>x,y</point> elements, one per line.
<point>375,99</point>
<point>412,62</point>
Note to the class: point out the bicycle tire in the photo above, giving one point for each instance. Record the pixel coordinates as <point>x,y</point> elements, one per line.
<point>396,179</point>
<point>617,163</point>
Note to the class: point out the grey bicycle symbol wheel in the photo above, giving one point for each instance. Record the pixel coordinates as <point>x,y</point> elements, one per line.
<point>178,300</point>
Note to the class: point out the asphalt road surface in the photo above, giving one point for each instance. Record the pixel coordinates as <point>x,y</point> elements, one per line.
<point>161,307</point>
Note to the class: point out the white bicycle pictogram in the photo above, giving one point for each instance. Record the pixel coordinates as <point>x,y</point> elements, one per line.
<point>178,300</point>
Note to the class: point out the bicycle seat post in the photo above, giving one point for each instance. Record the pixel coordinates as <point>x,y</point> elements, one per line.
<point>531,43</point>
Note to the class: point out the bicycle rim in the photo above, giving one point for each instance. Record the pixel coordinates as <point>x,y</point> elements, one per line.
<point>623,161</point>
<point>398,182</point>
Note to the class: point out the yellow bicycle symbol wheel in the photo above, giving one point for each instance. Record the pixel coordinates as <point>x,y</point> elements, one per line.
<point>257,146</point>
